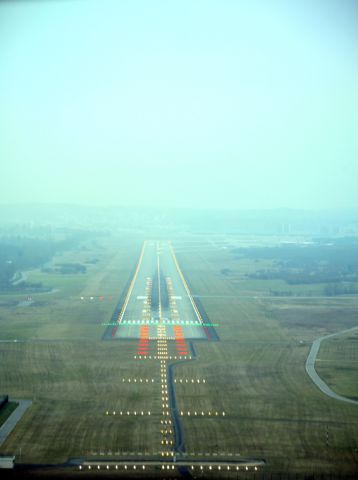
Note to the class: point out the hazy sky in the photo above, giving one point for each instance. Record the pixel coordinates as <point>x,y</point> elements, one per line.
<point>245,104</point>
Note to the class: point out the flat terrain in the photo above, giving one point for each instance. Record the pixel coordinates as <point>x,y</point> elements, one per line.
<point>255,373</point>
<point>6,411</point>
<point>337,364</point>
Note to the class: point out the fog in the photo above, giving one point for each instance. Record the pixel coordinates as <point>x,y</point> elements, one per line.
<point>226,104</point>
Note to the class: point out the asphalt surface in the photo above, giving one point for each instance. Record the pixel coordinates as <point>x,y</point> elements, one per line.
<point>7,427</point>
<point>310,369</point>
<point>159,275</point>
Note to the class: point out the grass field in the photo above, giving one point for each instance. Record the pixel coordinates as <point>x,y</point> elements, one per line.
<point>255,373</point>
<point>337,364</point>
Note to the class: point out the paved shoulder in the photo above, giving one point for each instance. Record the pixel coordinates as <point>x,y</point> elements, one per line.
<point>310,369</point>
<point>16,415</point>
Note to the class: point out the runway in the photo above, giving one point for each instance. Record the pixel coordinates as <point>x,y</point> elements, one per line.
<point>158,302</point>
<point>158,312</point>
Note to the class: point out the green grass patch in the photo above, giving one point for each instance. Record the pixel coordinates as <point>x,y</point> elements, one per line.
<point>6,411</point>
